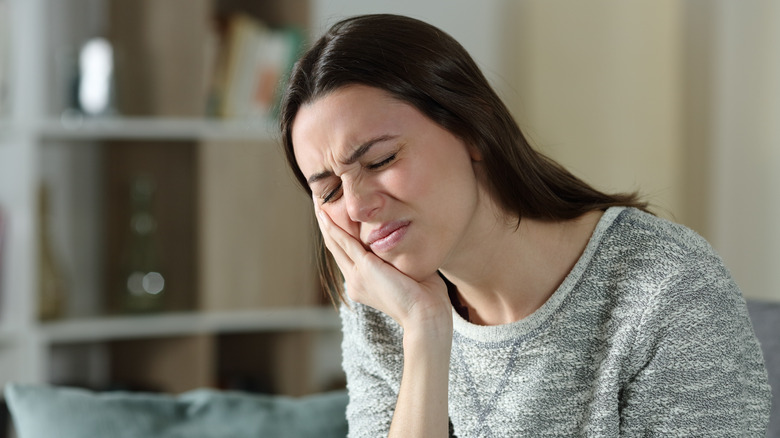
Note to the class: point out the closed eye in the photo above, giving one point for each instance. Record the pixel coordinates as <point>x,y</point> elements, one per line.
<point>330,195</point>
<point>380,164</point>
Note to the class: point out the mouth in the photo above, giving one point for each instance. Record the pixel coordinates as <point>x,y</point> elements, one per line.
<point>387,236</point>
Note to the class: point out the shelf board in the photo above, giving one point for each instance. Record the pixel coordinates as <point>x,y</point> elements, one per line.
<point>141,128</point>
<point>188,323</point>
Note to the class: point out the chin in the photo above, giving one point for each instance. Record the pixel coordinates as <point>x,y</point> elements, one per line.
<point>415,269</point>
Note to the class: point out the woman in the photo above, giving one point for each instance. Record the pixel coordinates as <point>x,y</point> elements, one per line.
<point>489,292</point>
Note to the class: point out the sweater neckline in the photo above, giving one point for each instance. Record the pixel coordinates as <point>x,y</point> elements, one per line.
<point>524,326</point>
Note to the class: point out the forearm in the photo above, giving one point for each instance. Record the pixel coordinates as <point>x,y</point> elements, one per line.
<point>421,409</point>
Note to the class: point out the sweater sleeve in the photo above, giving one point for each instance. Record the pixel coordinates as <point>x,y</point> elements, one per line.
<point>700,368</point>
<point>373,363</point>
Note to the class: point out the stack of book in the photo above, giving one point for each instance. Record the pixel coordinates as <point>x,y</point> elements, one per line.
<point>252,65</point>
<point>179,59</point>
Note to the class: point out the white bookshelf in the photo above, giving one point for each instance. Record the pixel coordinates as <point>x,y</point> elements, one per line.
<point>36,144</point>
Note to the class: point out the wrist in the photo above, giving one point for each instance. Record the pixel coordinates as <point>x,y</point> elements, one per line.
<point>429,335</point>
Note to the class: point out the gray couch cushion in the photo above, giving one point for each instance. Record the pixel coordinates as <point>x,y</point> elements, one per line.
<point>766,322</point>
<point>48,411</point>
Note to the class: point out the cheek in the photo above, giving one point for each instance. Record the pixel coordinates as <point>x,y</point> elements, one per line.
<point>404,181</point>
<point>338,213</point>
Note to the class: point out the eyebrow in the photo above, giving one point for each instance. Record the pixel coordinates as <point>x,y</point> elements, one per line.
<point>359,152</point>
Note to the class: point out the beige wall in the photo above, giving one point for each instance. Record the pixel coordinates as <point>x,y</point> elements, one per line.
<point>598,89</point>
<point>680,100</point>
<point>745,141</point>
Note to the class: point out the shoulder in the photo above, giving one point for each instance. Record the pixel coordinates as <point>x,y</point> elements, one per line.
<point>634,231</point>
<point>650,251</point>
<point>666,275</point>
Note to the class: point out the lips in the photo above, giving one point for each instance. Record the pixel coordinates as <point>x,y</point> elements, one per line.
<point>387,236</point>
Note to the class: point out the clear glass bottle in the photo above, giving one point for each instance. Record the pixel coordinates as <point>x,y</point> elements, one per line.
<point>143,280</point>
<point>51,280</point>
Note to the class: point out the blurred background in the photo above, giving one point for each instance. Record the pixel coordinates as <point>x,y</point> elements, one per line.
<point>152,238</point>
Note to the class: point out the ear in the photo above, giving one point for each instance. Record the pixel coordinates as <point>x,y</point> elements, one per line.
<point>474,153</point>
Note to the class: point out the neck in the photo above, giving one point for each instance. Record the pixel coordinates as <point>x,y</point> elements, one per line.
<point>505,272</point>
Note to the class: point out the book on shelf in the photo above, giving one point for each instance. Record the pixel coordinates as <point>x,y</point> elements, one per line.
<point>252,64</point>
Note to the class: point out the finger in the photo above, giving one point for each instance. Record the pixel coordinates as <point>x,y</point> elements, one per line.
<point>346,249</point>
<point>352,248</point>
<point>339,255</point>
<point>325,224</point>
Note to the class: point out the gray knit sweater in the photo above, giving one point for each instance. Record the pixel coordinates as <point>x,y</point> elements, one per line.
<point>647,336</point>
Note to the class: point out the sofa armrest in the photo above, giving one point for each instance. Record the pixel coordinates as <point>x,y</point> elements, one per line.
<point>765,317</point>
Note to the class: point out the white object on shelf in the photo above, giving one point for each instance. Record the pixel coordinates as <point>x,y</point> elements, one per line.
<point>96,67</point>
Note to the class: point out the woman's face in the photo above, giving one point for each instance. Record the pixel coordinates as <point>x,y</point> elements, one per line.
<point>389,176</point>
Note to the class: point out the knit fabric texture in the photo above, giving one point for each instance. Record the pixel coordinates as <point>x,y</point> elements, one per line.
<point>648,335</point>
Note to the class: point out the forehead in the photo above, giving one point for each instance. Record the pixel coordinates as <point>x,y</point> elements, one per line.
<point>330,127</point>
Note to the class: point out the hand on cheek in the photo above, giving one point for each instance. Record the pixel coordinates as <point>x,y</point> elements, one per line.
<point>376,283</point>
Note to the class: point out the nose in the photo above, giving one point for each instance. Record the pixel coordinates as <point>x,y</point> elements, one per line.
<point>362,200</point>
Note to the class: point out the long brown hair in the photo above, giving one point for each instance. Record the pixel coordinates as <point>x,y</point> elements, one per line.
<point>419,64</point>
